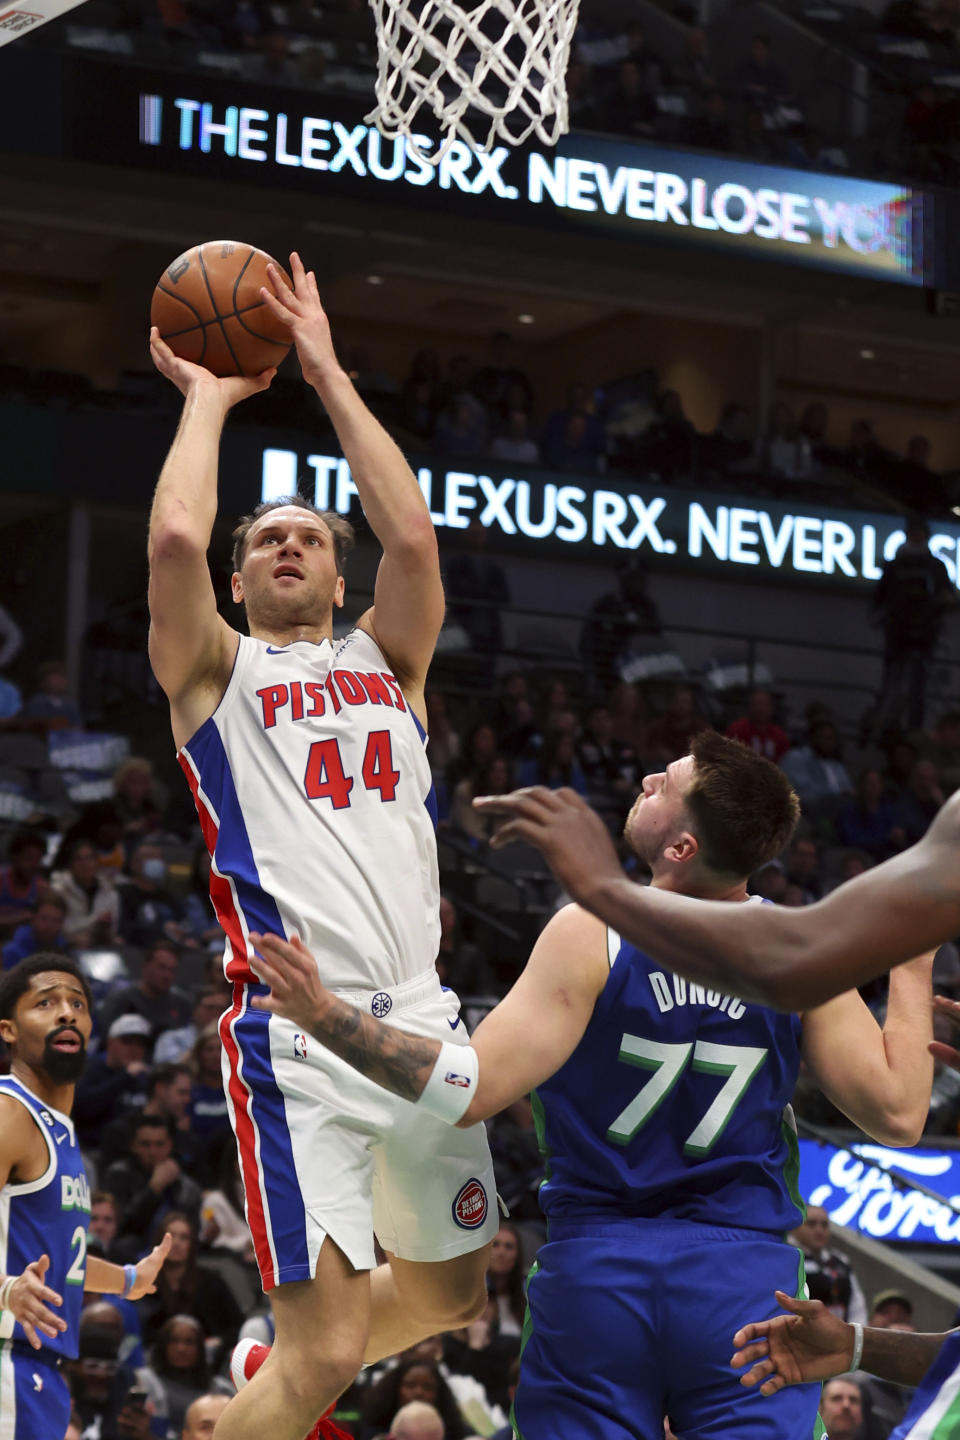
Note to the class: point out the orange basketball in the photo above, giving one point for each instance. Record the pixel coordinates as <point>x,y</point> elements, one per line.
<point>208,309</point>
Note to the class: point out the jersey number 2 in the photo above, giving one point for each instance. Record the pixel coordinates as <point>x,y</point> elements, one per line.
<point>326,779</point>
<point>78,1270</point>
<point>739,1063</point>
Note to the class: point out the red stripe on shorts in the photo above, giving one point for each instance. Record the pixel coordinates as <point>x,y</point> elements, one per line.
<point>246,1130</point>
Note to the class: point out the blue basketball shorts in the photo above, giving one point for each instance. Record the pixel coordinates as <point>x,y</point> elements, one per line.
<point>633,1320</point>
<point>34,1398</point>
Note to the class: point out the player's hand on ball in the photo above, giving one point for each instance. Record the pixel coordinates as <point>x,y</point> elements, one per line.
<point>29,1302</point>
<point>572,838</point>
<point>296,990</point>
<point>301,311</point>
<point>149,1268</point>
<point>810,1343</point>
<point>187,376</point>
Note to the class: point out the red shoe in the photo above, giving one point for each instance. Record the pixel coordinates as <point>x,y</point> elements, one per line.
<point>326,1429</point>
<point>247,1357</point>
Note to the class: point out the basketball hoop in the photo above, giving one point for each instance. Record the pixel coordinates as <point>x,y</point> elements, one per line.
<point>493,71</point>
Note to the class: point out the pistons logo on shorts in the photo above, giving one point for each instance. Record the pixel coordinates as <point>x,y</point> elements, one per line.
<point>470,1206</point>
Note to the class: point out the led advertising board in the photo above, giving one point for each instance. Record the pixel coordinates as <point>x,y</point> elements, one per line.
<point>855,1190</point>
<point>219,126</point>
<point>605,515</point>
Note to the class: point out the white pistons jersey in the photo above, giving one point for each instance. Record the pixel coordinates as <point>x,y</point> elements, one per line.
<point>315,798</point>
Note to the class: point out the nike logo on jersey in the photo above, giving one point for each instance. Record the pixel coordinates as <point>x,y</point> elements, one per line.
<point>59,1139</point>
<point>37,1382</point>
<point>454,1023</point>
<point>272,651</point>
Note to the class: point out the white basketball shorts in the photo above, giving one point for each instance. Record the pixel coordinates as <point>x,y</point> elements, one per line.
<point>325,1151</point>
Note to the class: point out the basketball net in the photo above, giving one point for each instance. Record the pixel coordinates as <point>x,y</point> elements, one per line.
<point>493,71</point>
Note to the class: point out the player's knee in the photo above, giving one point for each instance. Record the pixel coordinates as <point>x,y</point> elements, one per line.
<point>311,1387</point>
<point>473,1307</point>
<point>456,1305</point>
<point>314,1381</point>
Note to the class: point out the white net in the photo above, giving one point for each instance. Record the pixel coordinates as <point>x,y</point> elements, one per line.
<point>494,71</point>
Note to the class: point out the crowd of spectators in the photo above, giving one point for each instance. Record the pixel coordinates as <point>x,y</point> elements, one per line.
<point>474,411</point>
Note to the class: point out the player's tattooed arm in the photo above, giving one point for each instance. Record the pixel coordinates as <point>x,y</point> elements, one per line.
<point>391,1058</point>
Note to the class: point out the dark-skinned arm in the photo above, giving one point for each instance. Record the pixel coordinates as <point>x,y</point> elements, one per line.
<point>791,959</point>
<point>811,1343</point>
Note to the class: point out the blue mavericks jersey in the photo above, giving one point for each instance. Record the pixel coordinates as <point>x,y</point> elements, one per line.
<point>674,1104</point>
<point>48,1216</point>
<point>934,1412</point>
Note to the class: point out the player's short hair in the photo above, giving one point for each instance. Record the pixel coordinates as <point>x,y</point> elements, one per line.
<point>16,982</point>
<point>742,807</point>
<point>341,530</point>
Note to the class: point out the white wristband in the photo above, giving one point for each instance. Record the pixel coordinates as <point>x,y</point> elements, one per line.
<point>5,1289</point>
<point>452,1084</point>
<point>857,1346</point>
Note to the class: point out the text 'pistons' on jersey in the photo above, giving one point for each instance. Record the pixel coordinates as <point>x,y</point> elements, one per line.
<point>315,798</point>
<point>674,1104</point>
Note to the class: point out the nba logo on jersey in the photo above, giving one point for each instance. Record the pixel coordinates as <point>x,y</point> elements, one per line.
<point>470,1206</point>
<point>299,1047</point>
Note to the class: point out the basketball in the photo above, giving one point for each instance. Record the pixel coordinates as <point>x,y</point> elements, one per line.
<point>208,309</point>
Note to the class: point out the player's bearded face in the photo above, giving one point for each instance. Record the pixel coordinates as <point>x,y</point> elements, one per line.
<point>64,1055</point>
<point>655,820</point>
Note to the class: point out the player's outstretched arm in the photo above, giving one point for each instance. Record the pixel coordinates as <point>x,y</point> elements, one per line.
<point>880,1079</point>
<point>130,1281</point>
<point>522,1042</point>
<point>788,958</point>
<point>810,1343</point>
<point>408,600</point>
<point>190,645</point>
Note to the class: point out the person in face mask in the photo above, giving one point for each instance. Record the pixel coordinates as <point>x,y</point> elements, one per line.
<point>154,996</point>
<point>148,911</point>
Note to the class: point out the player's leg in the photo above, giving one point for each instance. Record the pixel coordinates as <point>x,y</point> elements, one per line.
<point>413,1299</point>
<point>304,1145</point>
<point>711,1277</point>
<point>591,1367</point>
<point>34,1398</point>
<point>321,1331</point>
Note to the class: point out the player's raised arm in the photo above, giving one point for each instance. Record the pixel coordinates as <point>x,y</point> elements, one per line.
<point>521,1043</point>
<point>191,647</point>
<point>880,1079</point>
<point>790,959</point>
<point>408,600</point>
